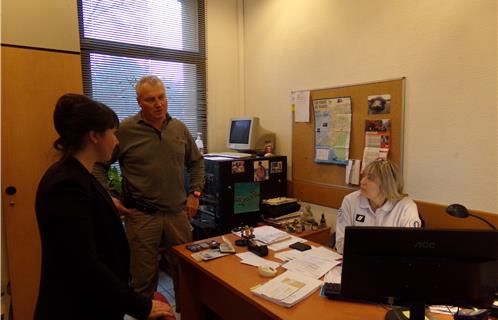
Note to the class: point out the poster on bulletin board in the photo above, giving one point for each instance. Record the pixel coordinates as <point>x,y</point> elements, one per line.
<point>332,130</point>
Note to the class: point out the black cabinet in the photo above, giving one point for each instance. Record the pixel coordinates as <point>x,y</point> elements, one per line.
<point>233,192</point>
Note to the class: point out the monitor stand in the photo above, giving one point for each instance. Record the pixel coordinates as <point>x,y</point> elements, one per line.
<point>416,311</point>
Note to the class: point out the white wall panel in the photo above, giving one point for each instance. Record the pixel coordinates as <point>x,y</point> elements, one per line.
<point>446,49</point>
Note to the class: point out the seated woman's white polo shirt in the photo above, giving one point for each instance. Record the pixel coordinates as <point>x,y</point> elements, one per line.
<point>356,211</point>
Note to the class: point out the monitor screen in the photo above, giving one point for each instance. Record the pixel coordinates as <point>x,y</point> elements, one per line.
<point>416,267</point>
<point>239,131</point>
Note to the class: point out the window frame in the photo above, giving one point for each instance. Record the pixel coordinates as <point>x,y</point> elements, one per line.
<point>97,46</point>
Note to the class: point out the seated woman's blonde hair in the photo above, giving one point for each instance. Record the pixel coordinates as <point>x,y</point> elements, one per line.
<point>389,178</point>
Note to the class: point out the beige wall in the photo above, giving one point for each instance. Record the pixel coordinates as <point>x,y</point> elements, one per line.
<point>447,52</point>
<point>49,24</point>
<point>225,74</point>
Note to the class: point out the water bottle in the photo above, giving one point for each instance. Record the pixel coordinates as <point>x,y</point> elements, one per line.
<point>199,143</point>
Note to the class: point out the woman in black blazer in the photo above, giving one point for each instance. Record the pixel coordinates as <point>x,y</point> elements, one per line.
<point>85,254</point>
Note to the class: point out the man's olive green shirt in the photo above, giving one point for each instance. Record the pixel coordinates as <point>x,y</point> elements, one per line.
<point>153,162</point>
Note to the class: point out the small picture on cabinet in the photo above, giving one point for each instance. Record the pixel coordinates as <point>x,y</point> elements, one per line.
<point>276,167</point>
<point>238,167</point>
<point>261,170</point>
<point>246,197</point>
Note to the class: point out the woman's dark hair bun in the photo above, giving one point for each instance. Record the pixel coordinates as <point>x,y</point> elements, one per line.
<point>75,115</point>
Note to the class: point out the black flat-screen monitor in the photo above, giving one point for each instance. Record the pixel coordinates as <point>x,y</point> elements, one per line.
<point>418,267</point>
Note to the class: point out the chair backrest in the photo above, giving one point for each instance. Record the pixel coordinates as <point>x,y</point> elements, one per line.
<point>332,240</point>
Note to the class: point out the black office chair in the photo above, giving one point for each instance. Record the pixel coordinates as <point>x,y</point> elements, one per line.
<point>422,222</point>
<point>332,240</point>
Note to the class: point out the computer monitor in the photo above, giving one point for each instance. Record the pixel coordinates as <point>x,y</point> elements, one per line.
<point>418,267</point>
<point>247,135</point>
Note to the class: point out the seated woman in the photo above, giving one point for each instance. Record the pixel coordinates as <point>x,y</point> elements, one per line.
<point>379,202</point>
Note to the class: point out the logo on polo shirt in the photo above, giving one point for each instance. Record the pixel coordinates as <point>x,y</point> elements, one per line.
<point>360,218</point>
<point>339,212</point>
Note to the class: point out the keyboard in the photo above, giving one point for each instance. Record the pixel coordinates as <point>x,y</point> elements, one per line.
<point>235,155</point>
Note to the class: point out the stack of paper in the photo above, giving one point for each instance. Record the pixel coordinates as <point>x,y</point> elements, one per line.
<point>279,201</point>
<point>282,221</point>
<point>311,266</point>
<point>287,289</point>
<point>269,235</point>
<point>314,263</point>
<point>334,275</point>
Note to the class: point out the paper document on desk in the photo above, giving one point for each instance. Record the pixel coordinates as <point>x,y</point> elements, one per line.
<point>269,235</point>
<point>311,266</point>
<point>289,255</point>
<point>324,253</point>
<point>254,260</point>
<point>287,289</point>
<point>334,275</point>
<point>443,309</point>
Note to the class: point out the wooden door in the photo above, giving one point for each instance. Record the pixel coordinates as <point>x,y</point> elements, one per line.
<point>32,81</point>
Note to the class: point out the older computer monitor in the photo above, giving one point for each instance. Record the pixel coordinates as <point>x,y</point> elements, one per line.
<point>418,267</point>
<point>246,134</point>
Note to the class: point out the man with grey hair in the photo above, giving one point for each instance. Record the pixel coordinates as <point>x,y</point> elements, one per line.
<point>154,150</point>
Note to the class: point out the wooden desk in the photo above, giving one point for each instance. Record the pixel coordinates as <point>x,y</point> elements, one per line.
<point>320,236</point>
<point>223,286</point>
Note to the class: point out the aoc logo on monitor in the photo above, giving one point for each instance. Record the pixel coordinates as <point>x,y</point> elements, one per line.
<point>425,245</point>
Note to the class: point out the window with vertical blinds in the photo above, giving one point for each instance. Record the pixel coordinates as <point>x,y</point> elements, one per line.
<point>123,40</point>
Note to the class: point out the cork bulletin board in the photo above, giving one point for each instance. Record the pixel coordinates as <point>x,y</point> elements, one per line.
<point>324,184</point>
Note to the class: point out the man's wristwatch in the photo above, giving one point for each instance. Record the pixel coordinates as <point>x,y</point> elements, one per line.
<point>197,194</point>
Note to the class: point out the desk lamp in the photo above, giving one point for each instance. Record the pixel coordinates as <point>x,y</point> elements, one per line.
<point>459,211</point>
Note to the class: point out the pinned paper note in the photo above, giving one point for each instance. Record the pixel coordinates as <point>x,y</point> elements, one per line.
<point>300,102</point>
<point>353,172</point>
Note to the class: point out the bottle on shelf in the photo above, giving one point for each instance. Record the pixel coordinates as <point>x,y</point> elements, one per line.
<point>199,143</point>
<point>323,222</point>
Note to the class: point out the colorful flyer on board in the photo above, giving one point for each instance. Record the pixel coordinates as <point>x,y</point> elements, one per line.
<point>377,140</point>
